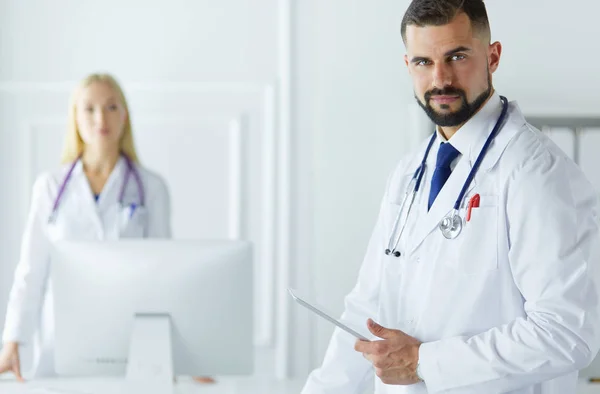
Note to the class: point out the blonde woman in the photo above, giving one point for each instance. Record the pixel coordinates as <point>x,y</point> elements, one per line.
<point>100,192</point>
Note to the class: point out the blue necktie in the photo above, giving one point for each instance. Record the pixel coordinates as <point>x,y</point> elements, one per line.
<point>445,157</point>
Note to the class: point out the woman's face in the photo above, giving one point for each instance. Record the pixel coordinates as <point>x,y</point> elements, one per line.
<point>100,116</point>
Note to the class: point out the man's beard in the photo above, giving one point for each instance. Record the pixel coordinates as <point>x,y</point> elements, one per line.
<point>460,116</point>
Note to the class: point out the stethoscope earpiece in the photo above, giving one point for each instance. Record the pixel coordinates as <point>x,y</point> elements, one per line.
<point>396,253</point>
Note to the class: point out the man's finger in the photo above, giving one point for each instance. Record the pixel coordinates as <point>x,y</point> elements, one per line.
<point>367,347</point>
<point>374,347</point>
<point>379,331</point>
<point>362,346</point>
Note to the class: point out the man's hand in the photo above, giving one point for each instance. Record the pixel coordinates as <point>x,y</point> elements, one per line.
<point>395,358</point>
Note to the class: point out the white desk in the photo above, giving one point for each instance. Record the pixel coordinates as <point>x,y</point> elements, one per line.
<point>184,386</point>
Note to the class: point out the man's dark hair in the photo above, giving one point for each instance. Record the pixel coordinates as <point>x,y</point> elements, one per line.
<point>441,12</point>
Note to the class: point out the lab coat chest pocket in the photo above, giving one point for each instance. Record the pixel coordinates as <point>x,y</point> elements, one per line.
<point>477,251</point>
<point>132,221</point>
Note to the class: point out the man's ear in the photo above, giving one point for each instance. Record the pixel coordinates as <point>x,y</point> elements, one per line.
<point>494,54</point>
<point>406,62</point>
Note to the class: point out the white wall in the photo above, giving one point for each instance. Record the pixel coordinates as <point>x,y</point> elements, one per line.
<point>358,94</point>
<point>209,92</point>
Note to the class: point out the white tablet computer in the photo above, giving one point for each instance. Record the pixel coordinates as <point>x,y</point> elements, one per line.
<point>319,311</point>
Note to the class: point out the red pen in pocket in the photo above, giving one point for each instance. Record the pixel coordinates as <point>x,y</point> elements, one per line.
<point>473,203</point>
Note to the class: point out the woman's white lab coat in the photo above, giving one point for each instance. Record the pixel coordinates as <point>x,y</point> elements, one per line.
<point>511,305</point>
<point>79,217</point>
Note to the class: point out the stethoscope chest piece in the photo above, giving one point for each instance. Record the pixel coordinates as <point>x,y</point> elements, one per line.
<point>451,225</point>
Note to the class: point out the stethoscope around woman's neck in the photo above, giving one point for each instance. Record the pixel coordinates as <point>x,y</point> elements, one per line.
<point>451,225</point>
<point>130,170</point>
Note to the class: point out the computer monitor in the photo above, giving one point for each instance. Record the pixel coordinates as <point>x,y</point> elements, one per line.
<point>153,308</point>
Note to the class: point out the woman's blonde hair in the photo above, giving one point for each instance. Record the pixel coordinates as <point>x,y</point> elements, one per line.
<point>74,145</point>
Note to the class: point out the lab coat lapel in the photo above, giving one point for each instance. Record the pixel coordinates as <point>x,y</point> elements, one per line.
<point>444,202</point>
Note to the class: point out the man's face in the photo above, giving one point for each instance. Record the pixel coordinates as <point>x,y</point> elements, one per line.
<point>451,69</point>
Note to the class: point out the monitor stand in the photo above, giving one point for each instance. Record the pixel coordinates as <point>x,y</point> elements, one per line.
<point>150,362</point>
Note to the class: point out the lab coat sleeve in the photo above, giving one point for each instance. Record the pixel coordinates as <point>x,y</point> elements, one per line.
<point>345,371</point>
<point>159,210</point>
<point>553,231</point>
<point>31,273</point>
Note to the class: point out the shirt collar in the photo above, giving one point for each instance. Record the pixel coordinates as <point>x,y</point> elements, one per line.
<point>475,128</point>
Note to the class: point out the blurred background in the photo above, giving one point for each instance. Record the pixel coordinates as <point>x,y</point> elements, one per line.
<point>276,121</point>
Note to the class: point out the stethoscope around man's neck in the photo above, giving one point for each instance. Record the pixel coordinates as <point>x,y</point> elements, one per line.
<point>451,225</point>
<point>130,170</point>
